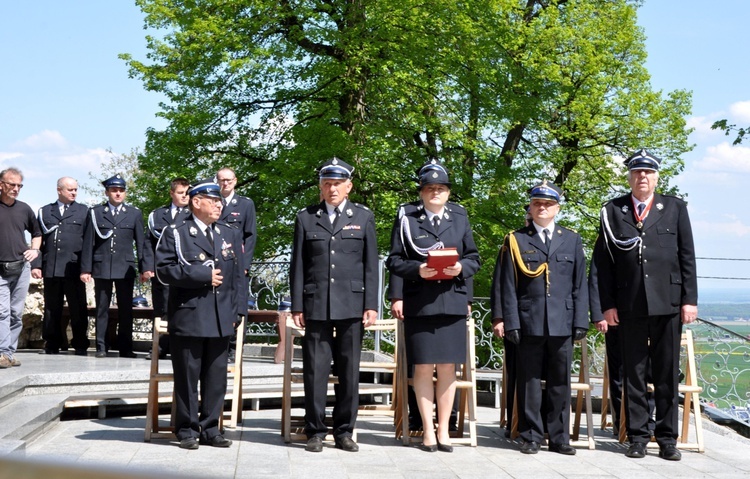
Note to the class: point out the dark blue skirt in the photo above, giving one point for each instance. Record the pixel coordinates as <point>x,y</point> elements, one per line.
<point>435,339</point>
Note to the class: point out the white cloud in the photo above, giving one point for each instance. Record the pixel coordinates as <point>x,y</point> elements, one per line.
<point>45,140</point>
<point>701,124</point>
<point>740,111</point>
<point>46,156</point>
<point>733,228</point>
<point>725,158</point>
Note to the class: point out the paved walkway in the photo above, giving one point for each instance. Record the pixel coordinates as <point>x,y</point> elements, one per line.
<point>259,451</point>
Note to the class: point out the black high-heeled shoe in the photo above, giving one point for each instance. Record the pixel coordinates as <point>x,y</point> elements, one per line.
<point>426,448</point>
<point>444,447</point>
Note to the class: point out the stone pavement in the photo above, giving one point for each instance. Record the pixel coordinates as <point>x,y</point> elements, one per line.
<point>116,444</point>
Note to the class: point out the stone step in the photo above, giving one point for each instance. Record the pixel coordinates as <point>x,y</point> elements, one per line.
<point>27,417</point>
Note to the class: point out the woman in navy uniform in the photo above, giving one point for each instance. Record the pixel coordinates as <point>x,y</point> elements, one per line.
<point>434,310</point>
<point>545,304</point>
<point>646,280</point>
<point>200,261</point>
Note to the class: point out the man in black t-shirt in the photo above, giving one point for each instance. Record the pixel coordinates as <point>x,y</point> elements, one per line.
<point>15,257</point>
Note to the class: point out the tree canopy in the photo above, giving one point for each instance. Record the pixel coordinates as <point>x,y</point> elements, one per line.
<point>504,92</point>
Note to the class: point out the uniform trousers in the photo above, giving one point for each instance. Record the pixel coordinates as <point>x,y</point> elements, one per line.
<point>13,290</point>
<point>159,298</point>
<point>124,293</point>
<point>319,347</point>
<point>544,357</point>
<point>199,360</point>
<point>654,341</point>
<point>53,332</point>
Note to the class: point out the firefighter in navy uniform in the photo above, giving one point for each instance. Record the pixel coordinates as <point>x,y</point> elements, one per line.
<point>434,310</point>
<point>544,305</point>
<point>62,224</point>
<point>113,230</point>
<point>175,213</point>
<point>334,287</point>
<point>647,287</point>
<point>200,261</point>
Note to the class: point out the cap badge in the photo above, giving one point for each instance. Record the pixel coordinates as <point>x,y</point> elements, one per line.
<point>434,174</point>
<point>335,161</point>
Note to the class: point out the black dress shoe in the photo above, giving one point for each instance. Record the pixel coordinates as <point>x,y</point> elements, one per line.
<point>530,447</point>
<point>314,444</point>
<point>565,449</point>
<point>216,441</point>
<point>128,354</point>
<point>636,450</point>
<point>670,453</point>
<point>101,354</point>
<point>81,352</point>
<point>347,444</point>
<point>49,351</point>
<point>189,443</point>
<point>444,447</point>
<point>430,448</point>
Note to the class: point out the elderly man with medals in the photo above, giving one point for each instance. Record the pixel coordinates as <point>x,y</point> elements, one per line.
<point>545,305</point>
<point>200,261</point>
<point>644,264</point>
<point>433,298</point>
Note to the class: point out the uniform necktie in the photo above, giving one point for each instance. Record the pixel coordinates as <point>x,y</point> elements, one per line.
<point>210,237</point>
<point>547,238</point>
<point>336,216</point>
<point>436,223</point>
<point>63,209</point>
<point>641,207</point>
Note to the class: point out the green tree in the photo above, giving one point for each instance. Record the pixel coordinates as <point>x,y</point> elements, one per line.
<point>505,92</point>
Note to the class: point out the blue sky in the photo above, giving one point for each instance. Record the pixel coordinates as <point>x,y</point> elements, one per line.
<point>65,98</point>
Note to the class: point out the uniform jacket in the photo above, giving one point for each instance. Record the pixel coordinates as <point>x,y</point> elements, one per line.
<point>185,261</point>
<point>432,297</point>
<point>527,305</point>
<point>240,213</point>
<point>62,240</point>
<point>159,219</point>
<point>664,278</point>
<point>334,273</point>
<point>108,243</point>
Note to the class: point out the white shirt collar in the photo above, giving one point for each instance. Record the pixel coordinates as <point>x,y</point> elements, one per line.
<point>330,208</point>
<point>201,225</point>
<point>431,215</point>
<point>228,199</point>
<point>637,202</point>
<point>540,230</point>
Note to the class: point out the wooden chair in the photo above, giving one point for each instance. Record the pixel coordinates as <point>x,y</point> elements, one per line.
<point>690,389</point>
<point>583,389</point>
<point>233,416</point>
<point>292,427</point>
<point>465,387</point>
<point>153,429</point>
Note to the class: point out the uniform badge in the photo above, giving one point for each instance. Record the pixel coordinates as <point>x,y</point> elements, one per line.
<point>434,174</point>
<point>422,217</point>
<point>625,209</point>
<point>352,227</point>
<point>318,213</point>
<point>335,161</point>
<point>106,209</point>
<point>559,232</point>
<point>349,212</point>
<point>659,206</point>
<point>234,201</point>
<point>201,256</point>
<point>124,209</point>
<point>421,206</point>
<point>193,231</point>
<point>446,216</point>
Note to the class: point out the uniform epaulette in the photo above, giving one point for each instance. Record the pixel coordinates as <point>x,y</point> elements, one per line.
<point>360,205</point>
<point>455,208</point>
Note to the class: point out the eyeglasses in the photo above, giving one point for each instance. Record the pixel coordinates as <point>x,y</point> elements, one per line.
<point>226,180</point>
<point>13,185</point>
